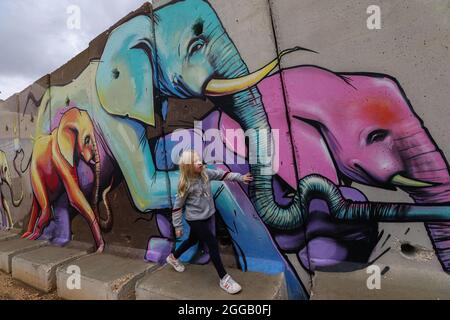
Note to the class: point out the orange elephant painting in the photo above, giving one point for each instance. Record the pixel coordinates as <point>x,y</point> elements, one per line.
<point>53,171</point>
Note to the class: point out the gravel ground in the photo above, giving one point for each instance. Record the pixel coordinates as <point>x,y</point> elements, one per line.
<point>11,289</point>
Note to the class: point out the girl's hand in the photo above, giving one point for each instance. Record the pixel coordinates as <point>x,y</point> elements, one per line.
<point>179,233</point>
<point>248,178</point>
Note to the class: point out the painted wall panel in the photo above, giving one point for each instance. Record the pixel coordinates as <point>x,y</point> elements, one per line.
<point>359,130</point>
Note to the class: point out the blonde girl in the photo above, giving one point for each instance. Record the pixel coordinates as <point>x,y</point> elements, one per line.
<point>194,196</point>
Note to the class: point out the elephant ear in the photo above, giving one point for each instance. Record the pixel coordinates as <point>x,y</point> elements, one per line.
<point>124,77</point>
<point>66,139</point>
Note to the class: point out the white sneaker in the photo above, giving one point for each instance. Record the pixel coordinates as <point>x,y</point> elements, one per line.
<point>229,285</point>
<point>175,263</point>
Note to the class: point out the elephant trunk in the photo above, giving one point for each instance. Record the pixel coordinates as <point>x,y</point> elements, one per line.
<point>105,224</point>
<point>424,161</point>
<point>247,108</point>
<point>16,203</point>
<point>315,186</point>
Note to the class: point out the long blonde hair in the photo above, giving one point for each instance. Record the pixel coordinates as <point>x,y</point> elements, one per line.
<point>187,161</point>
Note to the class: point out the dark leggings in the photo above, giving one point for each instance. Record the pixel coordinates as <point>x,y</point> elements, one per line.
<point>200,230</point>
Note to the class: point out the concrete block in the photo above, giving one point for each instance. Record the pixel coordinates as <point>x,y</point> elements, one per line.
<point>11,248</point>
<point>103,277</point>
<point>10,234</point>
<point>202,283</point>
<point>402,278</point>
<point>125,252</point>
<point>37,268</point>
<point>83,246</point>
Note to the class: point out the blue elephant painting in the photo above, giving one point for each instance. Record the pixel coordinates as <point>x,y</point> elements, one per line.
<point>147,60</point>
<point>182,52</point>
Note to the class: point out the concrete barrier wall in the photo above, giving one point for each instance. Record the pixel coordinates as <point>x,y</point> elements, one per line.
<point>363,116</point>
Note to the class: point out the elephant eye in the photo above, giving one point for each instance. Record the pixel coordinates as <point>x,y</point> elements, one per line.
<point>115,73</point>
<point>87,140</point>
<point>196,46</point>
<point>377,136</point>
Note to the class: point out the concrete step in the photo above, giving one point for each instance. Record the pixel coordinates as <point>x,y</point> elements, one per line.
<point>402,278</point>
<point>10,234</point>
<point>200,282</point>
<point>37,268</point>
<point>102,277</point>
<point>13,247</point>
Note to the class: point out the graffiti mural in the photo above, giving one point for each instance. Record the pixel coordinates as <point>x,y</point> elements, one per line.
<point>106,128</point>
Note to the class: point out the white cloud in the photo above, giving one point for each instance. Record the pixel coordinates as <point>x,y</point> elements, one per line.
<point>36,40</point>
<point>12,84</point>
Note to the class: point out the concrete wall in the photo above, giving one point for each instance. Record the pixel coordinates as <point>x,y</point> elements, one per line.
<point>379,85</point>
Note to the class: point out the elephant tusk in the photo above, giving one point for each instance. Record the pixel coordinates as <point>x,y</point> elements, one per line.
<point>222,87</point>
<point>402,181</point>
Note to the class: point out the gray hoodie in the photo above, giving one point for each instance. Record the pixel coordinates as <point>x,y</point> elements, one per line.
<point>198,202</point>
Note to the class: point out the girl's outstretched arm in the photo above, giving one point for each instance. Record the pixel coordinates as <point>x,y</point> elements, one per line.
<point>220,175</point>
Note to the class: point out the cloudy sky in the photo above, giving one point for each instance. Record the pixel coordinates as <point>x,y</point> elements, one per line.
<point>35,37</point>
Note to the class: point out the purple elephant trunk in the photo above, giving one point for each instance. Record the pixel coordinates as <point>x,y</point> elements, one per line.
<point>425,162</point>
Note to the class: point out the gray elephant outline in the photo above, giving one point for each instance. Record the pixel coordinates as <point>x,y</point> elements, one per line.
<point>7,221</point>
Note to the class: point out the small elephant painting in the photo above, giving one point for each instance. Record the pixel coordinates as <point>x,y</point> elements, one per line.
<point>53,171</point>
<point>106,132</point>
<point>6,218</point>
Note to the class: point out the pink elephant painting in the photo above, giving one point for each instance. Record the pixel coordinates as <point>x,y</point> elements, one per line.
<point>348,127</point>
